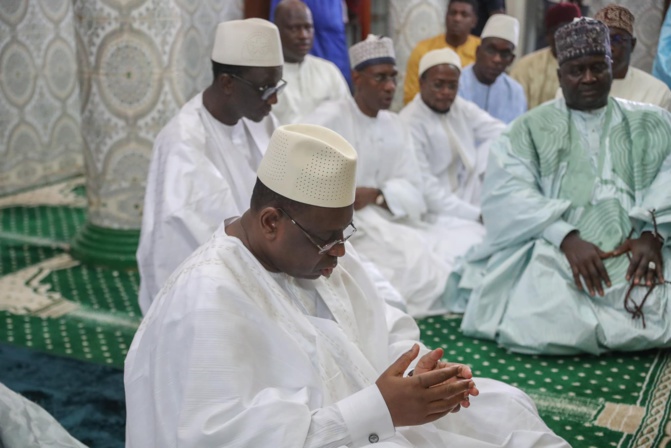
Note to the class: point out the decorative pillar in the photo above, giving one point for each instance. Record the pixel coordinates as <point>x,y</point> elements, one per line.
<point>139,61</point>
<point>39,96</point>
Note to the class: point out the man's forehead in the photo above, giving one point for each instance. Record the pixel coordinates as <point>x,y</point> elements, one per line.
<point>324,219</point>
<point>296,12</point>
<point>443,71</point>
<point>264,73</point>
<point>613,30</point>
<point>498,43</point>
<point>587,60</point>
<point>461,6</point>
<point>380,68</point>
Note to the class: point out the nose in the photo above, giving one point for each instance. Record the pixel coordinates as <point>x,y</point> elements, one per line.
<point>303,33</point>
<point>390,85</point>
<point>337,251</point>
<point>272,99</point>
<point>588,77</point>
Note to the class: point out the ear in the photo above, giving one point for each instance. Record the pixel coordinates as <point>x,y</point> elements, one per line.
<point>269,221</point>
<point>225,83</point>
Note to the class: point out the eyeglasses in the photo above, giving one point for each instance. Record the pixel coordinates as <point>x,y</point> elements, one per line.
<point>381,78</point>
<point>619,39</point>
<point>323,248</point>
<point>266,91</point>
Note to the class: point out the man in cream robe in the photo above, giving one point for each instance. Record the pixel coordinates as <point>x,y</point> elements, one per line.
<point>310,80</point>
<point>269,337</point>
<point>629,83</point>
<point>203,168</point>
<point>571,188</point>
<point>412,253</point>
<point>451,135</point>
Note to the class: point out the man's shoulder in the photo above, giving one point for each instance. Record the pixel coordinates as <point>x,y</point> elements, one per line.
<point>431,43</point>
<point>533,58</point>
<point>512,83</point>
<point>639,75</point>
<point>185,123</point>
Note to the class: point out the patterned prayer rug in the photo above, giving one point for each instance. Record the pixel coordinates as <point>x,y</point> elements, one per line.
<point>51,303</point>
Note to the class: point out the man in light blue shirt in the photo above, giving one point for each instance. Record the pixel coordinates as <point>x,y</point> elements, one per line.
<point>485,82</point>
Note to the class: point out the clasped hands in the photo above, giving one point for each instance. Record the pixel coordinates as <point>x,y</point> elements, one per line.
<point>586,260</point>
<point>435,389</point>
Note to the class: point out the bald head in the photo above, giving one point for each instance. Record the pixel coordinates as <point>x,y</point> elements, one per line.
<point>294,20</point>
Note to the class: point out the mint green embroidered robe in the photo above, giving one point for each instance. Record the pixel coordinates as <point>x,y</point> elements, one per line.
<point>553,171</point>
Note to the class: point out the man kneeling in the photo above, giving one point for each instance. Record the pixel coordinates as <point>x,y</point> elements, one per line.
<point>271,334</point>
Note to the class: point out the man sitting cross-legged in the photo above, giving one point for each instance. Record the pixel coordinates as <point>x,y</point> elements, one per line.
<point>272,335</point>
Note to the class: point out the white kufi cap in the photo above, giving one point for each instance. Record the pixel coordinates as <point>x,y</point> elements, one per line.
<point>310,164</point>
<point>249,43</point>
<point>502,26</point>
<point>374,50</point>
<point>437,57</point>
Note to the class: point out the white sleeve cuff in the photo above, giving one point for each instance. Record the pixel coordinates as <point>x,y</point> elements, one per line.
<point>557,231</point>
<point>395,206</point>
<point>367,417</point>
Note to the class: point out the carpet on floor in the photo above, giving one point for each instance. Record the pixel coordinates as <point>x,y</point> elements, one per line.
<point>50,303</point>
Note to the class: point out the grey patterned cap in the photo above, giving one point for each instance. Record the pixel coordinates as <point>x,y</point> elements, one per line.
<point>374,50</point>
<point>582,37</point>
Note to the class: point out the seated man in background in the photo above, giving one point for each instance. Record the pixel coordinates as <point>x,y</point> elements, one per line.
<point>537,71</point>
<point>204,160</point>
<point>572,188</point>
<point>391,204</point>
<point>485,82</point>
<point>460,19</point>
<point>310,80</point>
<point>451,136</point>
<point>629,83</point>
<point>272,335</point>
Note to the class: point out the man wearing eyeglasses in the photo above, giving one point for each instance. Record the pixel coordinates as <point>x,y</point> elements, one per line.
<point>204,160</point>
<point>452,137</point>
<point>629,83</point>
<point>485,82</point>
<point>272,335</point>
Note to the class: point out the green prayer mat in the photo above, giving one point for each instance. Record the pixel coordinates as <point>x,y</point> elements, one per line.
<point>51,303</point>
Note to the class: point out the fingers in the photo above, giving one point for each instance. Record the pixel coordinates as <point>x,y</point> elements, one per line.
<point>429,361</point>
<point>458,390</point>
<point>435,377</point>
<point>660,269</point>
<point>399,366</point>
<point>623,248</point>
<point>603,274</point>
<point>576,277</point>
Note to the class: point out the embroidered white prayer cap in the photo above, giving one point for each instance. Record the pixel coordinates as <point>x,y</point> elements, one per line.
<point>502,26</point>
<point>249,43</point>
<point>437,57</point>
<point>310,164</point>
<point>372,51</point>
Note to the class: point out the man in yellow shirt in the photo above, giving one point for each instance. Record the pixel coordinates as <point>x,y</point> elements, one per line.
<point>460,19</point>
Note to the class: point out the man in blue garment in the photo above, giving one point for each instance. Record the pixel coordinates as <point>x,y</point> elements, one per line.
<point>329,42</point>
<point>577,207</point>
<point>484,82</point>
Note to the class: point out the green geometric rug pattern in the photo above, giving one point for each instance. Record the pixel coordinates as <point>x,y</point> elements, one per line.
<point>51,303</point>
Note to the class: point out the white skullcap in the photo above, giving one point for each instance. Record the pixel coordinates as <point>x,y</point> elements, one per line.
<point>437,57</point>
<point>502,26</point>
<point>310,164</point>
<point>374,50</point>
<point>250,43</point>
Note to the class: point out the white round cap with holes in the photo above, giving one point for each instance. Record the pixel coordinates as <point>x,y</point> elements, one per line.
<point>249,43</point>
<point>310,164</point>
<point>438,57</point>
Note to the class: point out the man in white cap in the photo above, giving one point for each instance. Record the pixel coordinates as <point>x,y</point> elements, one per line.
<point>205,159</point>
<point>272,335</point>
<point>485,82</point>
<point>310,80</point>
<point>451,134</point>
<point>391,205</point>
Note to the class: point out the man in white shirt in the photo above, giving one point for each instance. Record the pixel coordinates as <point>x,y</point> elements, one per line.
<point>272,335</point>
<point>310,80</point>
<point>485,82</point>
<point>629,83</point>
<point>204,160</point>
<point>451,135</point>
<point>391,205</point>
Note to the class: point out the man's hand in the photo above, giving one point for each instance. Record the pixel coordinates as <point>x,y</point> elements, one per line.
<point>586,261</point>
<point>643,250</point>
<point>427,395</point>
<point>365,196</point>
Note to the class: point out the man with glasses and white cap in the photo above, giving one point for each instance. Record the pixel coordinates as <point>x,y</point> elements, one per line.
<point>205,159</point>
<point>485,82</point>
<point>451,136</point>
<point>272,335</point>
